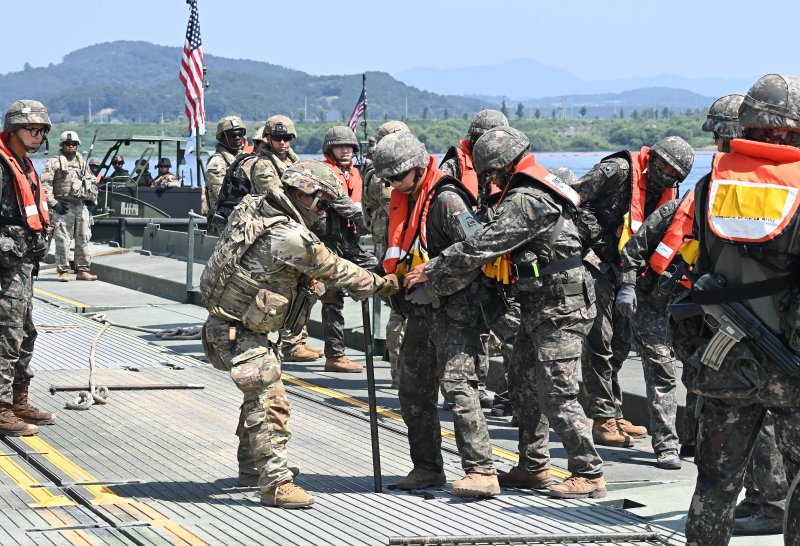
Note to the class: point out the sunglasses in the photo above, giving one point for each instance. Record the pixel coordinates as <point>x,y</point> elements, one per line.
<point>321,204</point>
<point>68,143</point>
<point>282,138</point>
<point>399,177</point>
<point>37,131</point>
<point>163,166</point>
<point>117,163</point>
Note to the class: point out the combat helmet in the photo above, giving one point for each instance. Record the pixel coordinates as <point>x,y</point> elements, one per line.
<point>497,148</point>
<point>677,152</point>
<point>164,161</point>
<point>398,153</point>
<point>311,176</point>
<point>25,112</point>
<point>723,116</point>
<point>485,120</point>
<point>339,136</point>
<point>229,123</point>
<point>259,135</point>
<point>279,125</point>
<point>69,136</point>
<point>390,127</point>
<point>773,102</point>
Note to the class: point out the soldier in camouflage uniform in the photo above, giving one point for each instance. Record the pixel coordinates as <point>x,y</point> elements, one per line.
<point>441,344</point>
<point>118,163</point>
<point>165,179</point>
<point>534,229</point>
<point>621,191</point>
<point>24,225</point>
<point>263,276</point>
<point>230,139</point>
<point>756,243</point>
<point>70,186</point>
<point>375,201</point>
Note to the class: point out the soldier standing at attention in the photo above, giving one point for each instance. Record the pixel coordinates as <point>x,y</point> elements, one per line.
<point>24,225</point>
<point>70,186</point>
<point>230,139</point>
<point>534,230</point>
<point>261,278</point>
<point>441,344</point>
<point>340,233</point>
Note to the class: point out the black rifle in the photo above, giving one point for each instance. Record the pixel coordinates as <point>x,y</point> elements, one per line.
<point>735,323</point>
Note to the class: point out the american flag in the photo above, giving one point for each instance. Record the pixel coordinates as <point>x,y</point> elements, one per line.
<point>358,111</point>
<point>192,72</point>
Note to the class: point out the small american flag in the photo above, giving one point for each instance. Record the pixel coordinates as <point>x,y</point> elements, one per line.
<point>192,72</point>
<point>358,111</point>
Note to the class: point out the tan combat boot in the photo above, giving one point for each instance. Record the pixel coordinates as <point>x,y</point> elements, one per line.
<point>476,485</point>
<point>11,425</point>
<point>286,495</point>
<point>63,276</point>
<point>300,353</point>
<point>30,414</point>
<point>85,276</point>
<point>420,478</point>
<point>320,352</point>
<point>578,487</point>
<point>634,431</point>
<point>606,432</point>
<point>342,364</point>
<point>519,477</point>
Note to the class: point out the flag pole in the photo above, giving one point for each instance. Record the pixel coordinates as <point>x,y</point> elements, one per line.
<point>364,92</point>
<point>198,141</point>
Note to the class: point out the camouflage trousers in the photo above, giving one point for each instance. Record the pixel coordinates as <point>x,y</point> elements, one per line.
<point>75,224</point>
<point>333,325</point>
<point>439,351</point>
<point>765,478</point>
<point>505,329</point>
<point>395,332</point>
<point>255,367</point>
<point>650,334</point>
<point>544,390</point>
<point>728,429</point>
<point>17,332</point>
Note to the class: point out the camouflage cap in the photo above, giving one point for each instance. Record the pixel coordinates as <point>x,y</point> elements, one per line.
<point>723,116</point>
<point>279,125</point>
<point>164,161</point>
<point>229,123</point>
<point>69,136</point>
<point>485,120</point>
<point>773,101</point>
<point>25,112</point>
<point>677,152</point>
<point>311,176</point>
<point>339,135</point>
<point>392,126</point>
<point>498,147</point>
<point>398,153</point>
<point>259,135</point>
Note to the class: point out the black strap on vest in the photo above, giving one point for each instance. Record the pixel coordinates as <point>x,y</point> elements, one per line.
<point>748,291</point>
<point>526,271</point>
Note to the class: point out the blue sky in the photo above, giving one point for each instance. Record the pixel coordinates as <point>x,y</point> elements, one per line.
<point>591,39</point>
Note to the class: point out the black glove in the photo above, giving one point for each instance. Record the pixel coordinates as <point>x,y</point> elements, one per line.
<point>626,300</point>
<point>60,208</point>
<point>160,189</point>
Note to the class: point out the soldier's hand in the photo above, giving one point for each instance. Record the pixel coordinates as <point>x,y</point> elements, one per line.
<point>626,300</point>
<point>415,276</point>
<point>390,286</point>
<point>60,208</point>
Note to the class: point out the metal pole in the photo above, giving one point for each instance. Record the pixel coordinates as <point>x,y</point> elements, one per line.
<point>542,538</point>
<point>364,90</point>
<point>132,387</point>
<point>373,405</point>
<point>190,256</point>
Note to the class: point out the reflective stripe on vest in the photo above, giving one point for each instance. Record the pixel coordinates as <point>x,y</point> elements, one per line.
<point>34,212</point>
<point>639,188</point>
<point>754,191</point>
<point>529,167</point>
<point>678,238</point>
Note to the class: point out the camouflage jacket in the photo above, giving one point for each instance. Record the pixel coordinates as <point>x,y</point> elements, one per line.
<point>167,180</point>
<point>637,251</point>
<point>375,200</point>
<point>267,170</point>
<point>217,165</point>
<point>58,175</point>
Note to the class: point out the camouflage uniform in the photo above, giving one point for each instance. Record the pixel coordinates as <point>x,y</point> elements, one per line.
<point>216,167</point>
<point>555,319</point>
<point>58,176</point>
<point>267,170</point>
<point>276,260</point>
<point>167,180</point>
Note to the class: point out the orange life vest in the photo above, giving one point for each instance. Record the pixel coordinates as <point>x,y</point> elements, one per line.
<point>677,239</point>
<point>754,191</point>
<point>351,184</point>
<point>31,205</point>
<point>639,188</point>
<point>469,178</point>
<point>407,236</point>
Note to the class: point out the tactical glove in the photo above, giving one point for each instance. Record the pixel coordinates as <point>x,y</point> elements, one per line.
<point>626,300</point>
<point>60,208</point>
<point>419,296</point>
<point>390,286</point>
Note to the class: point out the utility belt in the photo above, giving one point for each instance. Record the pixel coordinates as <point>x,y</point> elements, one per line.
<point>532,269</point>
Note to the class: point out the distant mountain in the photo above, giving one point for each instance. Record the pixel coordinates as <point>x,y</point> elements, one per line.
<point>522,79</point>
<point>138,81</point>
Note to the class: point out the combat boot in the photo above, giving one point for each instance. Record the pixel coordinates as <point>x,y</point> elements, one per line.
<point>63,276</point>
<point>342,364</point>
<point>578,487</point>
<point>668,460</point>
<point>634,431</point>
<point>606,432</point>
<point>250,479</point>
<point>476,485</point>
<point>519,477</point>
<point>286,495</point>
<point>420,478</point>
<point>28,413</point>
<point>85,276</point>
<point>300,353</point>
<point>11,425</point>
<point>758,524</point>
<point>485,400</point>
<point>320,352</point>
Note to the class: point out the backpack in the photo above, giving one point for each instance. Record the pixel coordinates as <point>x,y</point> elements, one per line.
<point>234,187</point>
